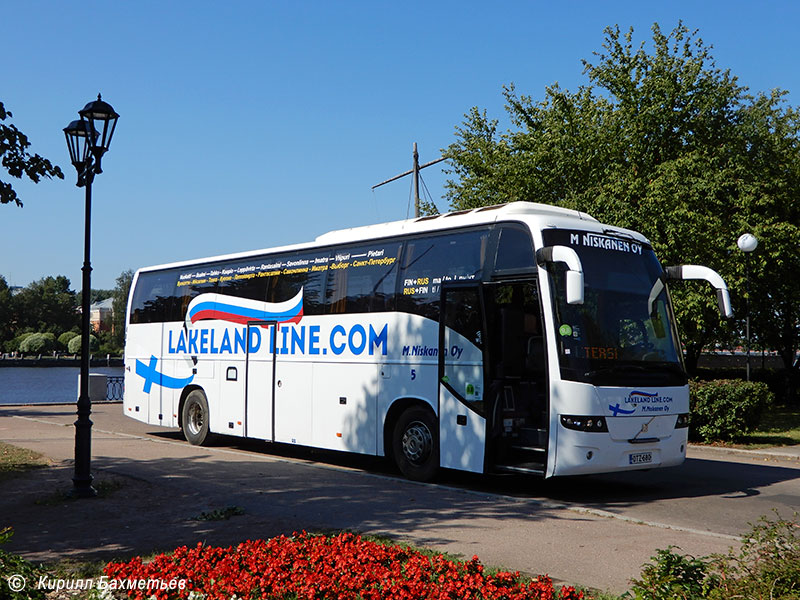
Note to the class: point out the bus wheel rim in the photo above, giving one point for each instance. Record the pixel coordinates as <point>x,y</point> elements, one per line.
<point>195,418</point>
<point>417,442</point>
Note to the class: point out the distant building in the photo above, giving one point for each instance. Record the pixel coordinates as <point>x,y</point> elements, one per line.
<point>100,315</point>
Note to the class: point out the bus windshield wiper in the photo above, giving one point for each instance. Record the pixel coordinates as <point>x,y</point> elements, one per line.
<point>654,368</point>
<point>614,369</point>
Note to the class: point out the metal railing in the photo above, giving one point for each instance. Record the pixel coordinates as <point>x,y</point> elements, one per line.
<point>116,387</point>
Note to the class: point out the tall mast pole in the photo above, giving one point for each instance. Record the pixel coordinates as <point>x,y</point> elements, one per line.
<point>416,182</point>
<point>415,172</point>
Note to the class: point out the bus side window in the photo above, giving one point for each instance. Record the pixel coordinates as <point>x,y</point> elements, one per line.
<point>514,249</point>
<point>463,315</point>
<point>252,288</point>
<point>285,286</point>
<point>184,294</point>
<point>363,279</point>
<point>153,298</point>
<point>433,260</point>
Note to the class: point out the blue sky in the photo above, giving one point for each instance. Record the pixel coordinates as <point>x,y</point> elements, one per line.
<point>247,125</point>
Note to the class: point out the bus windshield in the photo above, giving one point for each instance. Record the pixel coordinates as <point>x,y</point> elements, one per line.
<point>619,336</point>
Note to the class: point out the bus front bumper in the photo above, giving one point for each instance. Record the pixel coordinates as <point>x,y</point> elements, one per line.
<point>581,453</point>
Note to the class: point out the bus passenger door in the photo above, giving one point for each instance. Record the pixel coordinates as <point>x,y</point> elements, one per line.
<point>462,421</point>
<point>259,399</point>
<point>517,397</point>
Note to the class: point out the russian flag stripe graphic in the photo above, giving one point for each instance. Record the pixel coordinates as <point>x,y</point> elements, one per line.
<point>241,310</point>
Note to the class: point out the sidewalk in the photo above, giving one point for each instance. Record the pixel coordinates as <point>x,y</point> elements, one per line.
<point>790,452</point>
<point>157,489</point>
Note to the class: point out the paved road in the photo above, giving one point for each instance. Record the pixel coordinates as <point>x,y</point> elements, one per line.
<point>594,531</point>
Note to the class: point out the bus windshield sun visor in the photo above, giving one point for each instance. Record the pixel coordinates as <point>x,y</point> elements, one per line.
<point>699,272</point>
<point>568,256</point>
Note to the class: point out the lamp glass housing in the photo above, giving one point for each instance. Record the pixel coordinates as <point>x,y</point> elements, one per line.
<point>747,242</point>
<point>102,118</point>
<point>80,137</point>
<point>77,134</point>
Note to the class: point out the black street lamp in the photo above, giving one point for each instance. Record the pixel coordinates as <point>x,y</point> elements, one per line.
<point>87,139</point>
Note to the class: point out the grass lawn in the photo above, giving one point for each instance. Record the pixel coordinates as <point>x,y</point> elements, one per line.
<point>14,460</point>
<point>779,426</point>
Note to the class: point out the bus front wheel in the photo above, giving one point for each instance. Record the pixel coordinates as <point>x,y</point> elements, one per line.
<point>194,418</point>
<point>415,444</point>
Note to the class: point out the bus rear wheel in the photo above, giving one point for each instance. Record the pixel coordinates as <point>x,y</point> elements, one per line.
<point>194,419</point>
<point>415,444</point>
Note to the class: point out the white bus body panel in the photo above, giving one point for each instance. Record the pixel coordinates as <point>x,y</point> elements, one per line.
<point>412,379</point>
<point>294,416</point>
<point>646,413</point>
<point>336,376</point>
<point>230,408</point>
<point>460,446</point>
<point>344,410</point>
<point>462,432</point>
<point>258,419</point>
<point>142,392</point>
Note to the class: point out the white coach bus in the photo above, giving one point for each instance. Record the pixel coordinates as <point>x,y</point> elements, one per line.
<point>520,337</point>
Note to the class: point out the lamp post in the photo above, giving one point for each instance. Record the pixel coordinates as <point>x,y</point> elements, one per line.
<point>87,139</point>
<point>747,242</point>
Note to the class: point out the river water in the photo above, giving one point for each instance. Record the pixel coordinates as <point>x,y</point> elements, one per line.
<point>37,385</point>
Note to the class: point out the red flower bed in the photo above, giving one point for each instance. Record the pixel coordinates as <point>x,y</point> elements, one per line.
<point>315,567</point>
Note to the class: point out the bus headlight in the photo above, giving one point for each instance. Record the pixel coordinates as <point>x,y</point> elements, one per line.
<point>581,423</point>
<point>683,421</point>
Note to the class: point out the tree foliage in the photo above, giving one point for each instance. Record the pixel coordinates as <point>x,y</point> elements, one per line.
<point>120,307</point>
<point>38,343</point>
<point>64,338</point>
<point>46,305</point>
<point>74,345</point>
<point>49,306</point>
<point>17,161</point>
<point>664,142</point>
<point>6,312</point>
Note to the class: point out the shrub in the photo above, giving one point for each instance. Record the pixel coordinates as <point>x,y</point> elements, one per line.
<point>74,346</point>
<point>767,565</point>
<point>64,339</point>
<point>671,576</point>
<point>38,343</point>
<point>13,345</point>
<point>725,409</point>
<point>10,565</point>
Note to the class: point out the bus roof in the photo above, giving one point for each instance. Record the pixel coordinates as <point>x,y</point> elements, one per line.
<point>461,218</point>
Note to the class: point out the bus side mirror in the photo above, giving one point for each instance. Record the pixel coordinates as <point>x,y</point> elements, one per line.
<point>574,287</point>
<point>699,272</point>
<point>565,254</point>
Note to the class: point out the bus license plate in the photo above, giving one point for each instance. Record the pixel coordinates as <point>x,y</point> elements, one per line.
<point>641,458</point>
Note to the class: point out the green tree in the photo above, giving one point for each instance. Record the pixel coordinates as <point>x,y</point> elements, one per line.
<point>664,142</point>
<point>18,162</point>
<point>773,216</point>
<point>98,295</point>
<point>38,343</point>
<point>74,345</point>
<point>47,305</point>
<point>14,344</point>
<point>64,338</point>
<point>120,307</point>
<point>6,313</point>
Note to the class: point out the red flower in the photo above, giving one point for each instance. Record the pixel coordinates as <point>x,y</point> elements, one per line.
<point>307,566</point>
